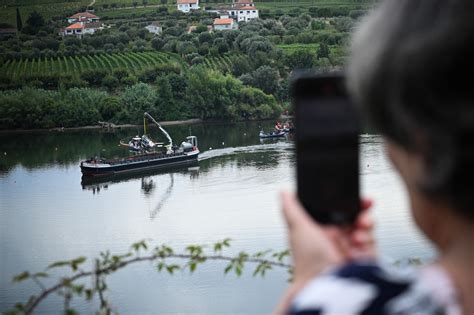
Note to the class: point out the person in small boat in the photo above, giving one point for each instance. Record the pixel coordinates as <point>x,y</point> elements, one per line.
<point>407,72</point>
<point>278,126</point>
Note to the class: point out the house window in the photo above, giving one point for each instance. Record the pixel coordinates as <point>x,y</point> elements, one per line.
<point>241,12</point>
<point>253,11</point>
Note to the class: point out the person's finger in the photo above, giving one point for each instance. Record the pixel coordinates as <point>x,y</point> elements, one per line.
<point>366,203</point>
<point>361,237</point>
<point>366,253</point>
<point>365,220</point>
<point>292,210</point>
<point>338,236</point>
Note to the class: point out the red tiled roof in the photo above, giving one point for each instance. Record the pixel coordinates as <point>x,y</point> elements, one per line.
<point>187,1</point>
<point>75,26</point>
<point>84,14</point>
<point>223,21</point>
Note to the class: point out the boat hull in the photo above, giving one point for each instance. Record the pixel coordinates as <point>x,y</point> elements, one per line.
<point>270,135</point>
<point>139,164</point>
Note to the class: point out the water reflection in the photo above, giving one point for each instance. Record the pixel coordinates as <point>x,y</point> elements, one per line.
<point>147,179</point>
<point>232,193</point>
<point>66,148</point>
<point>163,199</point>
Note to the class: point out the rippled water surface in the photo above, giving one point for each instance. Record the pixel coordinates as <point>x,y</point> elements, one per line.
<point>47,213</point>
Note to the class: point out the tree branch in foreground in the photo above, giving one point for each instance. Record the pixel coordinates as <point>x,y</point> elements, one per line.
<point>191,257</point>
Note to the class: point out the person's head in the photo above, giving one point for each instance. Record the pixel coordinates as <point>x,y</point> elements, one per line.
<point>411,70</point>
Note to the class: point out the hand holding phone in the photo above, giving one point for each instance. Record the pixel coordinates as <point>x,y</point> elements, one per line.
<point>327,149</point>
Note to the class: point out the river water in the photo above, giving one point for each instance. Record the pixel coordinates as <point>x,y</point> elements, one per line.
<point>48,214</point>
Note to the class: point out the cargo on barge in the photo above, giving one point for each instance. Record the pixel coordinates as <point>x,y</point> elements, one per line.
<point>148,159</point>
<point>186,154</point>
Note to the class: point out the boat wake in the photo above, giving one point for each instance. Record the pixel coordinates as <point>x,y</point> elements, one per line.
<point>278,147</point>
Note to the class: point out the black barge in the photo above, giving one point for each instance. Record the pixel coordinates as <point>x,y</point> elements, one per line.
<point>186,154</point>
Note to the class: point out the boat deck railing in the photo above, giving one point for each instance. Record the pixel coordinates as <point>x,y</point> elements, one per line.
<point>141,158</point>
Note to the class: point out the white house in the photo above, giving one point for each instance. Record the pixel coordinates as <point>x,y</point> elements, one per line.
<point>80,29</point>
<point>243,10</point>
<point>244,14</point>
<point>85,17</point>
<point>154,28</point>
<point>225,24</point>
<point>188,5</point>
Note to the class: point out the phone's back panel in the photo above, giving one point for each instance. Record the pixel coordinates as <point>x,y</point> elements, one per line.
<point>327,133</point>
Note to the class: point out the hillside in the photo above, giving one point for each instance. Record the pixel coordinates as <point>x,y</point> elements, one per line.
<point>113,8</point>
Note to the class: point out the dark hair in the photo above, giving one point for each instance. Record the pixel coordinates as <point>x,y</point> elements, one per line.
<point>411,69</point>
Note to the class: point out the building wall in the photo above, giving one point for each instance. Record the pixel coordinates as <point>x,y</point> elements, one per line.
<point>153,29</point>
<point>246,15</point>
<point>223,27</point>
<point>183,7</point>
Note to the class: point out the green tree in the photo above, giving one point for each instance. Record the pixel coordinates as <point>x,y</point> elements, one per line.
<point>323,51</point>
<point>201,28</point>
<point>93,76</point>
<point>210,93</point>
<point>34,23</point>
<point>265,78</point>
<point>110,82</point>
<point>157,43</point>
<point>164,2</point>
<point>166,108</point>
<point>300,59</point>
<point>137,99</point>
<point>19,24</point>
<point>240,65</point>
<point>109,107</point>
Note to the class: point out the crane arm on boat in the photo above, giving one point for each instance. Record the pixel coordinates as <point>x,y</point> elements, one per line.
<point>161,128</point>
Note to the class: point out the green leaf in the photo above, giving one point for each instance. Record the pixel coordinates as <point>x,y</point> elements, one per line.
<point>141,244</point>
<point>66,282</point>
<point>20,307</point>
<point>77,289</point>
<point>262,253</point>
<point>70,311</point>
<point>41,275</point>
<point>226,242</point>
<point>76,262</point>
<point>257,269</point>
<point>89,294</point>
<point>217,247</point>
<point>172,268</point>
<point>160,266</point>
<point>59,264</point>
<point>238,270</point>
<point>21,277</point>
<point>192,266</point>
<point>228,268</point>
<point>243,257</point>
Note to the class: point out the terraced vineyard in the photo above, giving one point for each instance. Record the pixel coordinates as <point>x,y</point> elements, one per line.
<point>133,62</point>
<point>221,63</point>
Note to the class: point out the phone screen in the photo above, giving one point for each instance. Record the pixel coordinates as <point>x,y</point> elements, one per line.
<point>327,131</point>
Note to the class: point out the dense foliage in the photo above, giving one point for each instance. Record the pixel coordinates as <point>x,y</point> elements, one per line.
<point>200,93</point>
<point>246,65</point>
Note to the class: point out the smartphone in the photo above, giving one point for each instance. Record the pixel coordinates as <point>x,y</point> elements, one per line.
<point>327,148</point>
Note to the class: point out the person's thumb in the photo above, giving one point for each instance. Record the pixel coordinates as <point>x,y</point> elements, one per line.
<point>293,211</point>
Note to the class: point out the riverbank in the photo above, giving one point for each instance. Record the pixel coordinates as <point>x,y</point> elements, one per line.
<point>111,127</point>
<point>102,125</point>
